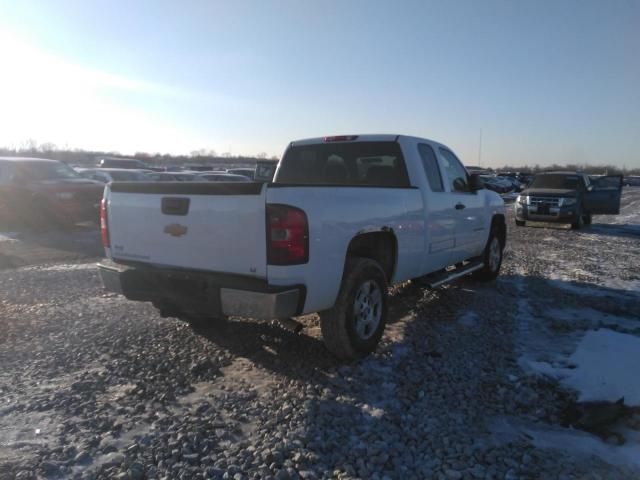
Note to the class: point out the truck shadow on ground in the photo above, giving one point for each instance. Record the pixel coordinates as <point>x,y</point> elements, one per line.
<point>616,230</point>
<point>411,308</point>
<point>443,369</point>
<point>277,349</point>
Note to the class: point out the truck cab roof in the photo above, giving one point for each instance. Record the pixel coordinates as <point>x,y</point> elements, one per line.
<point>366,137</point>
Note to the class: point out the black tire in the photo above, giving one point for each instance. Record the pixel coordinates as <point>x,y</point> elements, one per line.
<point>492,258</point>
<point>520,223</point>
<point>345,334</point>
<point>587,219</point>
<point>579,223</point>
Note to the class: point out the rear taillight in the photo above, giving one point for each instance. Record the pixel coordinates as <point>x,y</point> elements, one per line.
<point>287,235</point>
<point>104,224</point>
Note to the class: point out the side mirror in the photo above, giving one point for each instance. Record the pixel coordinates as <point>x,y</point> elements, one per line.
<point>590,188</point>
<point>475,182</point>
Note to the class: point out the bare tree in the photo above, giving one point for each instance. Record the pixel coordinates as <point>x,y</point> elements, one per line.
<point>47,147</point>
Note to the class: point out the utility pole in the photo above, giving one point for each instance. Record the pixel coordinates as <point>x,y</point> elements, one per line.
<point>480,150</point>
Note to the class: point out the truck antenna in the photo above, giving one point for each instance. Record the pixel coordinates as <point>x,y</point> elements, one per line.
<point>480,150</point>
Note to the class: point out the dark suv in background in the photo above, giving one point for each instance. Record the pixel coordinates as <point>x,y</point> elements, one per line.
<point>568,197</point>
<point>43,194</point>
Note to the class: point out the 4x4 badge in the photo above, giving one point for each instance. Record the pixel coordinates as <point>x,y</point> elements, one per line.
<point>175,230</point>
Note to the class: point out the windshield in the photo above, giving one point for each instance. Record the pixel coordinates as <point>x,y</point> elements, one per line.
<point>556,180</point>
<point>38,171</point>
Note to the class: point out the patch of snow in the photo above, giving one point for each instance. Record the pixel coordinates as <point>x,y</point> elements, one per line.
<point>606,363</point>
<point>588,318</point>
<point>574,442</point>
<point>543,351</point>
<point>626,288</point>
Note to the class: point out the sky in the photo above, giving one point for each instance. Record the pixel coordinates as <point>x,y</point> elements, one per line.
<point>500,82</point>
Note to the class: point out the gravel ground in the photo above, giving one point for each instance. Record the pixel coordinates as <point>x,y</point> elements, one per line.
<point>94,386</point>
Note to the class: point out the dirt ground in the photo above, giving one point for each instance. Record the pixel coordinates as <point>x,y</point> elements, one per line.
<point>470,381</point>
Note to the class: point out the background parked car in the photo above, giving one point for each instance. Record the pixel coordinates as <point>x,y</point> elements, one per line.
<point>106,175</point>
<point>128,163</point>
<point>496,184</point>
<point>265,170</point>
<point>42,193</point>
<point>632,181</point>
<point>173,176</point>
<point>247,172</point>
<point>223,177</point>
<point>513,179</point>
<point>198,168</point>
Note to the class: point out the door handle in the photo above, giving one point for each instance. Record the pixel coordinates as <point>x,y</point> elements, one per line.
<point>460,206</point>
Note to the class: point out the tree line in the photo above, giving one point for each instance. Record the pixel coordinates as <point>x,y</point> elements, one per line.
<point>210,157</point>
<point>82,157</point>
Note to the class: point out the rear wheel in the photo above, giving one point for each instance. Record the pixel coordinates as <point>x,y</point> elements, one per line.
<point>354,326</point>
<point>492,258</point>
<point>520,223</point>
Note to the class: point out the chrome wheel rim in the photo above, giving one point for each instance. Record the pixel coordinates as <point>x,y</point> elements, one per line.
<point>367,309</point>
<point>494,254</point>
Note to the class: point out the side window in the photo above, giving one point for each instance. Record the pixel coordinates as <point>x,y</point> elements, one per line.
<point>456,173</point>
<point>431,168</point>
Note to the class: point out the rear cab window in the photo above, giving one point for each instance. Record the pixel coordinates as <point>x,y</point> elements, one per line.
<point>374,164</point>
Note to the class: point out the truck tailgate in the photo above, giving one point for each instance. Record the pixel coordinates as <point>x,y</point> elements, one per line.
<point>211,226</point>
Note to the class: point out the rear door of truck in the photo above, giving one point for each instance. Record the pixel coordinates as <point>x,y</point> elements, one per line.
<point>214,227</point>
<point>603,195</point>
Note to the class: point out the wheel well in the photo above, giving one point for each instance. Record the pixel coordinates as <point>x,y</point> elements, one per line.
<point>498,223</point>
<point>379,246</point>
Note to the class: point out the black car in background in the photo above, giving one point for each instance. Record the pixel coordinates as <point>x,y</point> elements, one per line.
<point>568,197</point>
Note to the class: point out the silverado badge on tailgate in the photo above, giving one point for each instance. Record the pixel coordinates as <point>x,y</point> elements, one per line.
<point>175,230</point>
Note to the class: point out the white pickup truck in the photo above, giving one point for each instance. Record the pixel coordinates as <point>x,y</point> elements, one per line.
<point>344,217</point>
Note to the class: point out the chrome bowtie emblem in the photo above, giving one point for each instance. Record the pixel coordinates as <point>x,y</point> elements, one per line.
<point>175,230</point>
